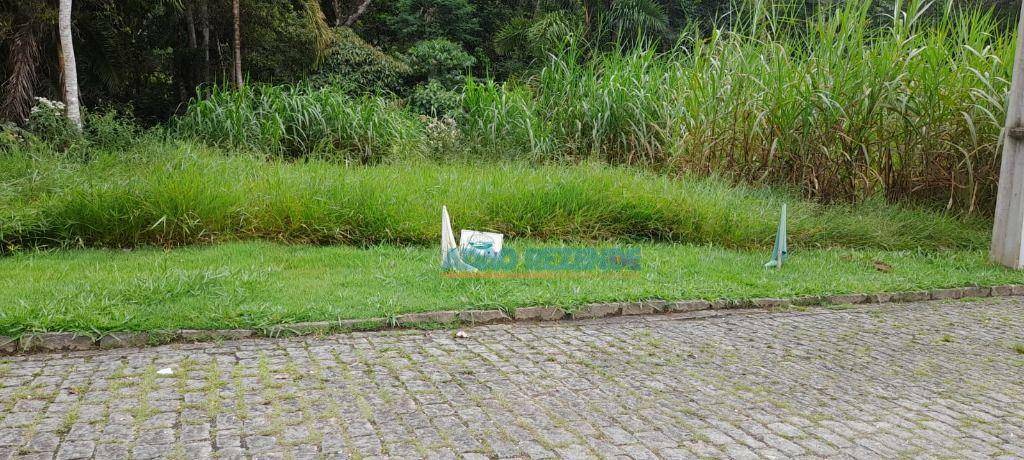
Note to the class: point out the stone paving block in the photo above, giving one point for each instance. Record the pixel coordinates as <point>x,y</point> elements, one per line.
<point>213,335</point>
<point>56,341</point>
<point>304,328</point>
<point>808,301</point>
<point>76,450</point>
<point>658,306</point>
<point>944,294</point>
<point>976,291</point>
<point>846,299</point>
<point>637,308</point>
<point>8,345</point>
<point>124,339</point>
<point>881,297</point>
<point>597,310</point>
<point>483,316</point>
<point>539,314</point>
<point>767,302</point>
<point>434,317</point>
<point>11,436</point>
<point>151,451</point>
<point>1003,290</point>
<point>911,296</point>
<point>687,306</point>
<point>723,304</point>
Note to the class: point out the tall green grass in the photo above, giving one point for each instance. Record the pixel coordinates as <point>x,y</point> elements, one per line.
<point>167,195</point>
<point>302,121</point>
<point>835,106</point>
<point>621,108</point>
<point>842,106</point>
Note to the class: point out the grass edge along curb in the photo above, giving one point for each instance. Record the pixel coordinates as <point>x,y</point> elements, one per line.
<point>71,341</point>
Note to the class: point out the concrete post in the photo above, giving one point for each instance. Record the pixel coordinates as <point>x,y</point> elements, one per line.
<point>1008,230</point>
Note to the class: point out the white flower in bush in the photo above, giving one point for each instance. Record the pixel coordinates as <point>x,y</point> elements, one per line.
<point>44,104</point>
<point>444,127</point>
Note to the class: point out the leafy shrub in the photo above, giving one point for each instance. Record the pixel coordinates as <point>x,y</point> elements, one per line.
<point>13,138</point>
<point>440,60</point>
<point>49,131</point>
<point>435,100</point>
<point>111,129</point>
<point>444,139</point>
<point>48,123</point>
<point>359,67</point>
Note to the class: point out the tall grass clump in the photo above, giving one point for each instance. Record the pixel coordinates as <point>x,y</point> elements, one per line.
<point>843,110</point>
<point>168,196</point>
<point>842,106</point>
<point>302,121</point>
<point>618,107</point>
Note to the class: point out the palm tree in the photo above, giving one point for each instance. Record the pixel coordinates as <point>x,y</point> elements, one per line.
<point>67,54</point>
<point>18,90</point>
<point>596,22</point>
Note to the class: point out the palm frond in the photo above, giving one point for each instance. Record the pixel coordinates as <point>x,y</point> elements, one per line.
<point>23,60</point>
<point>640,17</point>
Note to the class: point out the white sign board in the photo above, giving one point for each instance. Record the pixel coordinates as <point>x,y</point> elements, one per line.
<point>483,243</point>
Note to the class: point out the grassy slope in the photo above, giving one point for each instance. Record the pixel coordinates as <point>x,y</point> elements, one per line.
<point>256,284</point>
<point>169,195</point>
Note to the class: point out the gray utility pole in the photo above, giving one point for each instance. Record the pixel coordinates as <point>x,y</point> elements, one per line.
<point>1008,231</point>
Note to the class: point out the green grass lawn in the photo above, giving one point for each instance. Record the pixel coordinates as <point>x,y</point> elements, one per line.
<point>258,284</point>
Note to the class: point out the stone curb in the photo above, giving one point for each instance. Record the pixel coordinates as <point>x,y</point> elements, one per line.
<point>483,316</point>
<point>435,317</point>
<point>69,341</point>
<point>323,327</point>
<point>539,314</point>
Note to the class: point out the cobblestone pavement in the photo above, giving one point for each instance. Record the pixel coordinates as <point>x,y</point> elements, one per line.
<point>929,379</point>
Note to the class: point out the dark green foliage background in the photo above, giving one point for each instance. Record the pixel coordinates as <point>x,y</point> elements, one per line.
<point>134,55</point>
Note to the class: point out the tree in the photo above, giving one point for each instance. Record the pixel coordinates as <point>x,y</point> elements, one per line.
<point>1008,228</point>
<point>360,10</point>
<point>26,21</point>
<point>587,23</point>
<point>70,72</point>
<point>398,24</point>
<point>235,11</point>
<point>336,8</point>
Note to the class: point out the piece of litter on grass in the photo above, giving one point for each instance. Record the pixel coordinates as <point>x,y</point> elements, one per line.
<point>165,371</point>
<point>461,334</point>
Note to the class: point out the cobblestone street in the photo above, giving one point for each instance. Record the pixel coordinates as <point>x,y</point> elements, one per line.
<point>927,379</point>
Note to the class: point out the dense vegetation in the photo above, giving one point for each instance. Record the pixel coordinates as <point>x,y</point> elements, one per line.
<point>835,107</point>
<point>350,122</point>
<point>859,103</point>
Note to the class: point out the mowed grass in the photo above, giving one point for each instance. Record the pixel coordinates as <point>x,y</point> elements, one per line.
<point>255,284</point>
